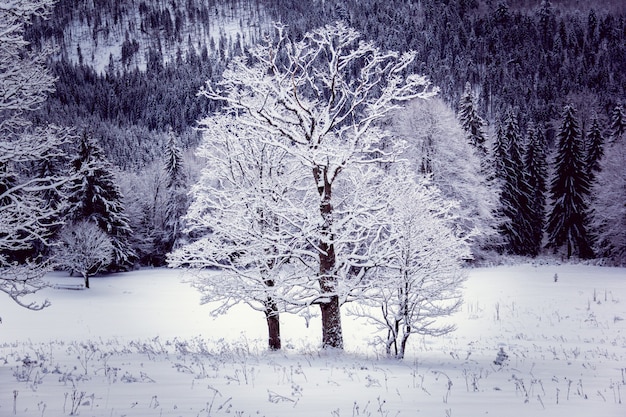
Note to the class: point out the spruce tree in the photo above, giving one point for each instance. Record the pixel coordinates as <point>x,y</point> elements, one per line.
<point>95,196</point>
<point>515,195</point>
<point>568,220</point>
<point>177,201</point>
<point>595,150</point>
<point>499,150</point>
<point>618,122</point>
<point>472,123</point>
<point>536,167</point>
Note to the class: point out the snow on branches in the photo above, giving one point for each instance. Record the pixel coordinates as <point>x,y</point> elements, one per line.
<point>27,214</point>
<point>294,202</point>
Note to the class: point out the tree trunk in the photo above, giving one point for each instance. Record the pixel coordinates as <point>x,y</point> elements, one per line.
<point>86,276</point>
<point>405,339</point>
<point>332,335</point>
<point>273,325</point>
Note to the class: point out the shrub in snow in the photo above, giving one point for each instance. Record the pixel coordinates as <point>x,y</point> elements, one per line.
<point>84,248</point>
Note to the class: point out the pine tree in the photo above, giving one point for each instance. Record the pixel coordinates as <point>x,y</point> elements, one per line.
<point>569,190</point>
<point>515,195</point>
<point>471,122</point>
<point>95,196</point>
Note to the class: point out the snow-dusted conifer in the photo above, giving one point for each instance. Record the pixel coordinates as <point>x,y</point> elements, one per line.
<point>176,187</point>
<point>595,150</point>
<point>472,123</point>
<point>569,190</point>
<point>536,167</point>
<point>515,194</point>
<point>618,122</point>
<point>95,196</point>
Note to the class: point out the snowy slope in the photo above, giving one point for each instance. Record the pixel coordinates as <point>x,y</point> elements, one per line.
<point>139,344</point>
<point>96,36</point>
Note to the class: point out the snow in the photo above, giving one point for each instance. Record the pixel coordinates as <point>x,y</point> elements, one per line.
<point>140,344</point>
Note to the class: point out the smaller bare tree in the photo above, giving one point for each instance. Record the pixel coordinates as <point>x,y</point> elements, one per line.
<point>84,248</point>
<point>420,280</point>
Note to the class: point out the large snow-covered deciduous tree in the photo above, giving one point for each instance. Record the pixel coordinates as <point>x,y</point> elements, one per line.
<point>609,205</point>
<point>83,248</point>
<point>94,195</point>
<point>26,217</point>
<point>420,279</point>
<point>319,99</point>
<point>240,216</point>
<point>568,221</point>
<point>437,147</point>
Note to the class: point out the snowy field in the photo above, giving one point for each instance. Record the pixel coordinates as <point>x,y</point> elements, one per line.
<point>139,344</point>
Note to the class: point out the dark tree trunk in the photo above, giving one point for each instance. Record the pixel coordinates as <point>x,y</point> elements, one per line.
<point>273,325</point>
<point>86,280</point>
<point>332,335</point>
<point>405,339</point>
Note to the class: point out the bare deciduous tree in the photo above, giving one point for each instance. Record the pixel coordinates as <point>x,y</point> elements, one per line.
<point>418,280</point>
<point>26,217</point>
<point>320,99</point>
<point>84,248</point>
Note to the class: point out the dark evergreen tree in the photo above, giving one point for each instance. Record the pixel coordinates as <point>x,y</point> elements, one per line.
<point>499,150</point>
<point>515,194</point>
<point>569,190</point>
<point>595,150</point>
<point>94,195</point>
<point>536,167</point>
<point>618,122</point>
<point>472,123</point>
<point>177,201</point>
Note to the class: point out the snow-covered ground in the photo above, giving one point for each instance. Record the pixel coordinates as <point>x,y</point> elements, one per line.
<point>140,344</point>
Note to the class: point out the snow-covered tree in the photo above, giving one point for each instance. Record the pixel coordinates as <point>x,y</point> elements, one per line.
<point>319,100</point>
<point>437,147</point>
<point>472,123</point>
<point>26,217</point>
<point>94,195</point>
<point>594,150</point>
<point>609,205</point>
<point>421,276</point>
<point>145,206</point>
<point>568,221</point>
<point>536,167</point>
<point>241,213</point>
<point>83,248</point>
<point>515,196</point>
<point>618,122</point>
<point>176,188</point>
